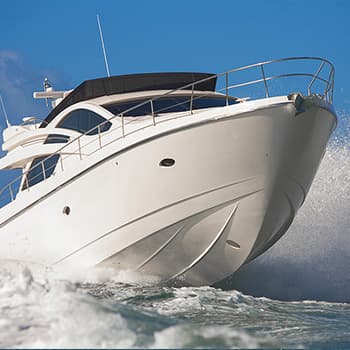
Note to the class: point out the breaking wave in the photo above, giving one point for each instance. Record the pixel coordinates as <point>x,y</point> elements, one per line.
<point>130,310</point>
<point>106,312</point>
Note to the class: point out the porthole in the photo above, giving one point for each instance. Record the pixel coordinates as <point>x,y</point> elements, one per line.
<point>66,210</point>
<point>233,244</point>
<point>167,162</point>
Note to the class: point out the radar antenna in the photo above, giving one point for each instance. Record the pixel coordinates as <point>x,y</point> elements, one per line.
<point>103,45</point>
<point>5,114</point>
<point>50,94</point>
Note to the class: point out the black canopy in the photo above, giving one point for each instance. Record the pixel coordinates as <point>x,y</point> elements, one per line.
<point>131,83</point>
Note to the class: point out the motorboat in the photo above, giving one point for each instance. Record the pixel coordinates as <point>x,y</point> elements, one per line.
<point>185,176</point>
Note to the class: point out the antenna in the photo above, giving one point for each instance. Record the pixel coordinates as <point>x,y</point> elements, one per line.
<point>47,87</point>
<point>103,45</point>
<point>4,110</point>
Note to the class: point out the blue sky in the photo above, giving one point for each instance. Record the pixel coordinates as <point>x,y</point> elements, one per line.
<point>60,39</point>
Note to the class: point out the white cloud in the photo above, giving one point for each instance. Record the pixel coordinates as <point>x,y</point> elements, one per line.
<point>18,80</point>
<point>15,78</point>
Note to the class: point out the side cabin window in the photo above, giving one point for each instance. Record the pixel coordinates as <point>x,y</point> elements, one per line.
<point>170,104</point>
<point>56,138</point>
<point>40,171</point>
<point>85,121</point>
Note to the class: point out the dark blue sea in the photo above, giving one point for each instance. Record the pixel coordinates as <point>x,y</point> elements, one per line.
<point>297,295</point>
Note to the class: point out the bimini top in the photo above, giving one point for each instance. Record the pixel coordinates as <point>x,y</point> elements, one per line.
<point>131,83</point>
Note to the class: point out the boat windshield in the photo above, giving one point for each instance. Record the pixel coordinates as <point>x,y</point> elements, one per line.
<point>39,172</point>
<point>84,121</point>
<point>169,104</point>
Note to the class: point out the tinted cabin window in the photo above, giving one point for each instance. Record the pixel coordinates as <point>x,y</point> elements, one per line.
<point>168,105</point>
<point>39,172</point>
<point>56,138</point>
<point>83,120</point>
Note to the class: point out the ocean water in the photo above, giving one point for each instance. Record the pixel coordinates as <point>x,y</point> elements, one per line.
<point>297,295</point>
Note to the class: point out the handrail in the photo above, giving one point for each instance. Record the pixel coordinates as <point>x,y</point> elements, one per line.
<point>314,77</point>
<point>33,121</point>
<point>326,94</point>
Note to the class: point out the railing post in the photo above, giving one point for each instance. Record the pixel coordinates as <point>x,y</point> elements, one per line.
<point>79,148</point>
<point>226,88</point>
<point>263,74</point>
<point>331,82</point>
<point>99,136</point>
<point>123,125</point>
<point>43,169</point>
<point>314,78</point>
<point>61,161</point>
<point>152,110</point>
<point>191,102</point>
<point>11,192</point>
<point>332,89</point>
<point>26,181</point>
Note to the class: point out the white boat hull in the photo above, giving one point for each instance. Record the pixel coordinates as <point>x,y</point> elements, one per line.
<point>237,182</point>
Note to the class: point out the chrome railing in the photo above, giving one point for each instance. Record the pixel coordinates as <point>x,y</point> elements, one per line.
<point>321,73</point>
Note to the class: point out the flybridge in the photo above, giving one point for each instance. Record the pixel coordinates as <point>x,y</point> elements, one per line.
<point>123,84</point>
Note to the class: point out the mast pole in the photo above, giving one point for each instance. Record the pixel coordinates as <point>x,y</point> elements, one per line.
<point>5,114</point>
<point>103,45</point>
